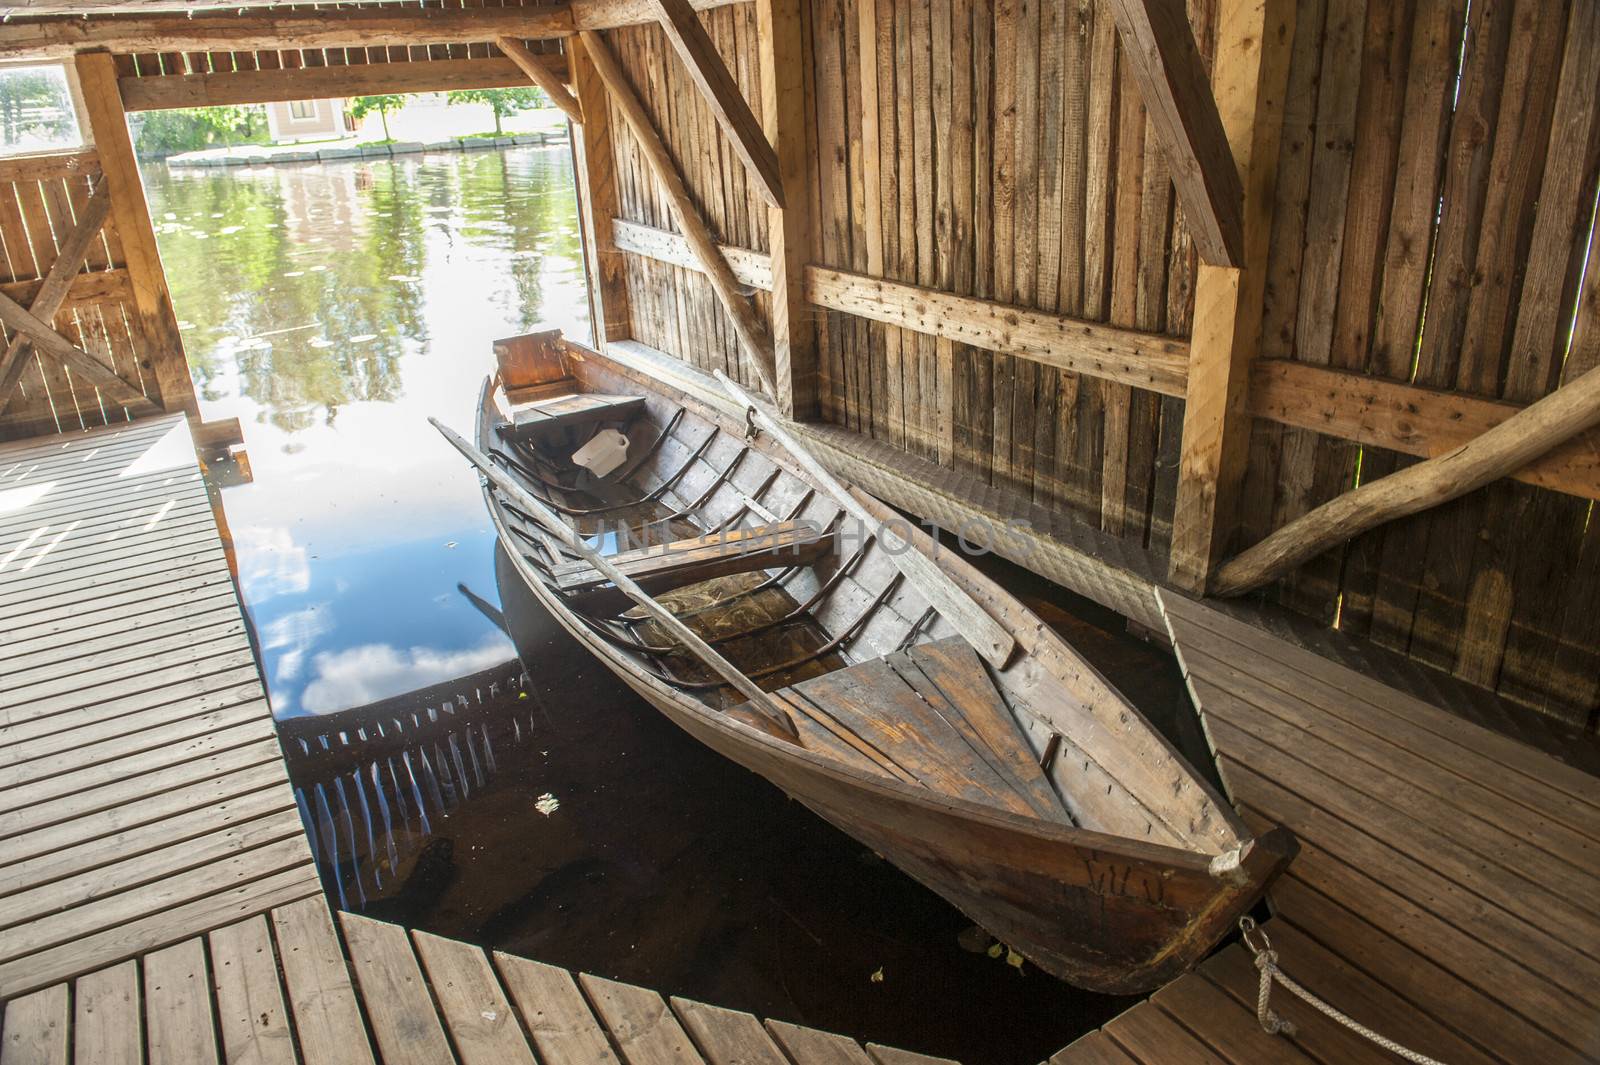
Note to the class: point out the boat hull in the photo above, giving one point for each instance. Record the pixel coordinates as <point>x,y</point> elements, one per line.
<point>1104,912</point>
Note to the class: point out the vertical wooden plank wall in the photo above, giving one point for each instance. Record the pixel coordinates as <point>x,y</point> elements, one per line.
<point>40,197</point>
<point>1435,195</point>
<point>990,148</point>
<point>1435,231</point>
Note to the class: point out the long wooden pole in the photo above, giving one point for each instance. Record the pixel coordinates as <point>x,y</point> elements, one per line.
<point>747,323</point>
<point>1496,453</point>
<point>759,699</point>
<point>986,635</point>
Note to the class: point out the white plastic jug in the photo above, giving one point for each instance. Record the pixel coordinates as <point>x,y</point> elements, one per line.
<point>603,453</point>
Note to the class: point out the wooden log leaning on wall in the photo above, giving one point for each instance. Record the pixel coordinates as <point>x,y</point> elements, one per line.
<point>158,325</point>
<point>1531,432</point>
<point>543,74</point>
<point>1159,48</point>
<point>747,324</point>
<point>1251,75</point>
<point>721,93</point>
<point>597,202</point>
<point>781,44</point>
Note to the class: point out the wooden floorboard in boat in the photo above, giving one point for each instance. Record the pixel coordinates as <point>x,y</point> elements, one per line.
<point>143,797</point>
<point>1444,895</point>
<point>932,715</point>
<point>301,984</point>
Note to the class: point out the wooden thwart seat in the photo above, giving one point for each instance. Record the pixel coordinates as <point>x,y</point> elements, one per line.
<point>672,565</point>
<point>928,715</point>
<point>567,410</point>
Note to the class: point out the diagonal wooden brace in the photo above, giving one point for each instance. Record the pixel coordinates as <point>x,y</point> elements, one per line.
<point>52,294</point>
<point>540,74</point>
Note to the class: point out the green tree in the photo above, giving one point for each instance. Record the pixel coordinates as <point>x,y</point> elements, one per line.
<point>34,106</point>
<point>503,102</point>
<point>362,106</point>
<point>163,133</point>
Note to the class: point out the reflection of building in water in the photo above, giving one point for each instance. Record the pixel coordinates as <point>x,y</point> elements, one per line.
<point>319,203</point>
<point>306,120</point>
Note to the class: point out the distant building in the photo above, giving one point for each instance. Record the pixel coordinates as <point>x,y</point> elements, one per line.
<point>304,120</point>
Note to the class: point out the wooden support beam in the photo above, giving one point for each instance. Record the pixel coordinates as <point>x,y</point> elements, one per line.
<point>747,323</point>
<point>226,31</point>
<point>1255,38</point>
<point>47,165</point>
<point>752,268</point>
<point>721,93</point>
<point>108,126</point>
<point>595,165</point>
<point>1159,48</point>
<point>58,347</point>
<point>100,286</point>
<point>321,83</point>
<point>1144,360</point>
<point>1408,419</point>
<point>1531,432</point>
<point>57,283</point>
<point>610,14</point>
<point>542,73</point>
<point>784,64</point>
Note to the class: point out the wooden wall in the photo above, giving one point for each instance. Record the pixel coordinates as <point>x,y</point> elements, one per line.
<point>1435,199</point>
<point>988,149</point>
<point>674,309</point>
<point>40,200</point>
<point>1432,225</point>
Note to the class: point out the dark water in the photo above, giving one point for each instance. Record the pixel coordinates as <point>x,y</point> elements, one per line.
<point>332,308</point>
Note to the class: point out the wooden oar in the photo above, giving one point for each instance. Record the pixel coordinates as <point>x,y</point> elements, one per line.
<point>763,705</point>
<point>986,635</point>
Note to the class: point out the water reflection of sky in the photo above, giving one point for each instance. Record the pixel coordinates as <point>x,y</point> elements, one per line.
<point>331,308</point>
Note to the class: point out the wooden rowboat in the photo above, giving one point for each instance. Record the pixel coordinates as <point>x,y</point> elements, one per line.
<point>1003,772</point>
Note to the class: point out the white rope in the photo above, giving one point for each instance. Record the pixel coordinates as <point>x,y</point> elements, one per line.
<point>1266,960</point>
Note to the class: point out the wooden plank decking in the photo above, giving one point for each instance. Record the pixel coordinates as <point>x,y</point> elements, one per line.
<point>143,798</point>
<point>298,984</point>
<point>1445,890</point>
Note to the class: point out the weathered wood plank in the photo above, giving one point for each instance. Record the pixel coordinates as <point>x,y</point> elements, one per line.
<point>398,1004</point>
<point>179,1026</point>
<point>564,1031</point>
<point>250,1010</point>
<point>327,1019</point>
<point>482,1025</point>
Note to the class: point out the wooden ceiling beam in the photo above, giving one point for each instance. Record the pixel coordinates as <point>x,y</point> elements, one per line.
<point>230,32</point>
<point>542,72</point>
<point>321,83</point>
<point>1159,48</point>
<point>721,93</point>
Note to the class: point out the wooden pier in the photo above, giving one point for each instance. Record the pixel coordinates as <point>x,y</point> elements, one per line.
<point>143,795</point>
<point>1444,892</point>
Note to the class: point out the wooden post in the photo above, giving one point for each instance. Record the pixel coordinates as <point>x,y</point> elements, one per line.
<point>783,69</point>
<point>597,202</point>
<point>1251,76</point>
<point>108,128</point>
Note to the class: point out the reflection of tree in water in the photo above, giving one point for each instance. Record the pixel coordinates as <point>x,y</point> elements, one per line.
<point>310,277</point>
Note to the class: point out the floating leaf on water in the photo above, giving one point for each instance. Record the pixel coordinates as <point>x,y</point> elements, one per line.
<point>450,543</point>
<point>547,804</point>
<point>877,976</point>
